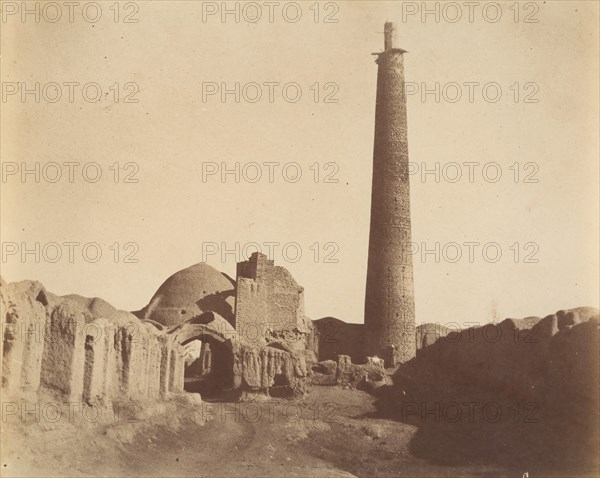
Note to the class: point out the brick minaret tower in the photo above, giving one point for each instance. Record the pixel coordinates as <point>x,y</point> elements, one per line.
<point>390,302</point>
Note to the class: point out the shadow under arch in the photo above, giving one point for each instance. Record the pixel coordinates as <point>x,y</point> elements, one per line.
<point>212,372</point>
<point>281,385</point>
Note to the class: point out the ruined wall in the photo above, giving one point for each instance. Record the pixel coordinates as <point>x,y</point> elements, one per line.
<point>82,349</point>
<point>343,372</point>
<point>23,315</point>
<point>270,305</point>
<point>541,376</point>
<point>334,337</point>
<point>262,369</point>
<point>428,334</point>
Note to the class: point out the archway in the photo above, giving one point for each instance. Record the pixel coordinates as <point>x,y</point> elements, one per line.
<point>208,339</point>
<point>281,387</point>
<point>211,372</point>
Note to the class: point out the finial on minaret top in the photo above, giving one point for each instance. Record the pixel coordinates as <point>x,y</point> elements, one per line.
<point>390,35</point>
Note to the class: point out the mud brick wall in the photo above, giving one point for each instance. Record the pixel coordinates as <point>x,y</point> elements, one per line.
<point>64,351</point>
<point>428,334</point>
<point>269,303</point>
<point>82,349</point>
<point>23,331</point>
<point>259,369</point>
<point>334,337</point>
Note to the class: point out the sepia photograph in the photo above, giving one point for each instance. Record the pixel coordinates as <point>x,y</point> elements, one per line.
<point>312,239</point>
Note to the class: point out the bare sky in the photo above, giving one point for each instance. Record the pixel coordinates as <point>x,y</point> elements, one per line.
<point>544,127</point>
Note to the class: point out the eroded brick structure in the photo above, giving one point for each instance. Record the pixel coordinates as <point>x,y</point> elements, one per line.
<point>269,305</point>
<point>253,331</point>
<point>82,349</point>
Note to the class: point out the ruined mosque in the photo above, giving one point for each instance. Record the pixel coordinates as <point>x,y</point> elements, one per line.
<point>205,337</point>
<point>205,332</point>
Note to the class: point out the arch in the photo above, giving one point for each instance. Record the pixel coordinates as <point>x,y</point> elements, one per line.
<point>209,324</point>
<point>212,329</point>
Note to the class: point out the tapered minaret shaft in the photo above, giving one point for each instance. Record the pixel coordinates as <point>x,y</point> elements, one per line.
<point>390,303</point>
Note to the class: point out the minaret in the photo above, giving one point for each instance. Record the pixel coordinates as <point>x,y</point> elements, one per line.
<point>390,302</point>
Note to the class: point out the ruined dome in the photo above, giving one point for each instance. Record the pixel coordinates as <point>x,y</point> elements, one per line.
<point>189,293</point>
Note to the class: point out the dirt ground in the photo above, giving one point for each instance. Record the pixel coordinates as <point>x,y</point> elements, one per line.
<point>330,433</point>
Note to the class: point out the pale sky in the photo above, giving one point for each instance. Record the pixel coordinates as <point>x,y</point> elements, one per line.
<point>171,214</point>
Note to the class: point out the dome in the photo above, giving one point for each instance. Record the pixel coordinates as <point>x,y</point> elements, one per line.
<point>190,292</point>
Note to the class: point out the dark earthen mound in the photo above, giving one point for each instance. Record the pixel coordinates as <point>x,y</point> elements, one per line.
<point>522,392</point>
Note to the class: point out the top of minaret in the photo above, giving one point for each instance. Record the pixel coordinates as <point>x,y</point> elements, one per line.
<point>389,35</point>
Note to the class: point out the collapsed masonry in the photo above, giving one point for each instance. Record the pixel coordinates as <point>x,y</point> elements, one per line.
<point>201,331</point>
<point>253,331</point>
<point>250,334</point>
